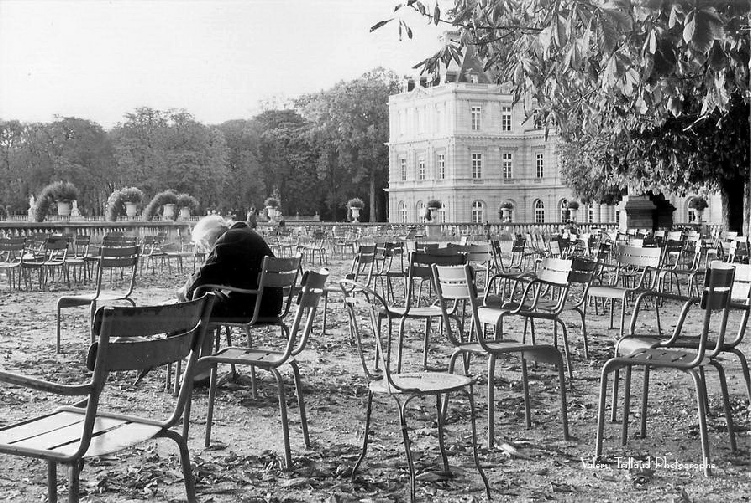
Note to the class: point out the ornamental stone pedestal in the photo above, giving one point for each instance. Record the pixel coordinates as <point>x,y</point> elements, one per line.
<point>643,211</point>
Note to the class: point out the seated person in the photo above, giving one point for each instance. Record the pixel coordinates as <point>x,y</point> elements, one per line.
<point>235,260</point>
<point>236,257</point>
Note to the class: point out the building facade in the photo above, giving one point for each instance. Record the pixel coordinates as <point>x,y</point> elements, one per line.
<point>464,142</point>
<point>461,140</point>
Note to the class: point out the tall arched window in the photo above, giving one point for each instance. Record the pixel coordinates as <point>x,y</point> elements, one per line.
<point>539,207</point>
<point>420,208</point>
<point>402,212</point>
<point>441,214</point>
<point>478,212</point>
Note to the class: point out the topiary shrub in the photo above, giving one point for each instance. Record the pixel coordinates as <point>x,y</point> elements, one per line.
<point>271,202</point>
<point>187,201</point>
<point>56,191</point>
<point>434,204</point>
<point>115,205</point>
<point>355,202</point>
<point>698,204</point>
<point>165,197</point>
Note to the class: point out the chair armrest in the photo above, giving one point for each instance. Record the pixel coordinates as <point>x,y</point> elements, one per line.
<point>211,287</point>
<point>42,385</point>
<point>687,303</point>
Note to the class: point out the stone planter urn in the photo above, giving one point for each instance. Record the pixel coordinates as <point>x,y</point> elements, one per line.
<point>63,208</point>
<point>355,214</point>
<point>184,213</point>
<point>168,211</point>
<point>130,209</point>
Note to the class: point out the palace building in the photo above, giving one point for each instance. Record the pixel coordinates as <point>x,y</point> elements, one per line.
<point>462,140</point>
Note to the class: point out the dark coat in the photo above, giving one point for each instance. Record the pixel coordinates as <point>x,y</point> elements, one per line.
<point>236,260</point>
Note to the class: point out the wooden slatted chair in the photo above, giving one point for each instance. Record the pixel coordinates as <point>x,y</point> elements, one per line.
<point>128,338</point>
<point>296,337</point>
<point>120,264</point>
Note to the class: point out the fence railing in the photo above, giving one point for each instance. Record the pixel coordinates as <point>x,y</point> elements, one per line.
<point>175,229</point>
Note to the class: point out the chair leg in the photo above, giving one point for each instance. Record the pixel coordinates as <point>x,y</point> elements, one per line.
<point>726,404</point>
<point>300,402</point>
<point>52,481</point>
<point>626,405</point>
<point>210,411</point>
<point>601,410</point>
<point>614,405</point>
<point>470,397</point>
<point>744,369</point>
<point>405,436</point>
<point>491,401</point>
<point>701,392</point>
<point>564,335</point>
<point>644,402</point>
<point>584,330</point>
<point>182,445</point>
<point>325,296</point>
<point>564,402</point>
<point>441,443</point>
<point>525,386</point>
<point>74,481</point>
<point>364,450</point>
<point>426,343</point>
<point>57,343</point>
<point>283,414</point>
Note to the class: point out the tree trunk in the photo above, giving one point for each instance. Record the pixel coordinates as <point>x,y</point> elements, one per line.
<point>747,207</point>
<point>372,215</point>
<point>734,193</point>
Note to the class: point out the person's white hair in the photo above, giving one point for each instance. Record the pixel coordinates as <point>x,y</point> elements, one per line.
<point>207,231</point>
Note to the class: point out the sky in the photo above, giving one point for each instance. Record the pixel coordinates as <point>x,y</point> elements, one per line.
<point>218,59</point>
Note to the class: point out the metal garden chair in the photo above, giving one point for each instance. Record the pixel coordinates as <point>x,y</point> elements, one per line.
<point>128,338</point>
<point>715,303</point>
<point>272,359</point>
<point>378,356</point>
<point>456,286</point>
<point>115,280</point>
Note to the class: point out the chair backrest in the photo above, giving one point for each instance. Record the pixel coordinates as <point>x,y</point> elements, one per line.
<point>377,349</point>
<point>671,253</point>
<point>363,263</point>
<point>119,262</point>
<point>311,290</point>
<point>118,239</point>
<point>638,257</point>
<point>56,248</point>
<point>454,285</point>
<point>11,249</point>
<point>716,296</point>
<point>554,270</point>
<point>419,271</point>
<point>81,245</point>
<point>278,272</point>
<point>141,338</point>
